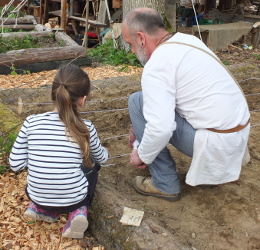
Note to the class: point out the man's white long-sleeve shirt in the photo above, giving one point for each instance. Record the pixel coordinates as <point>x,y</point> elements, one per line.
<point>188,80</point>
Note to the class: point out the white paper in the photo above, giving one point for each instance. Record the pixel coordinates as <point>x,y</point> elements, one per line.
<point>132,217</point>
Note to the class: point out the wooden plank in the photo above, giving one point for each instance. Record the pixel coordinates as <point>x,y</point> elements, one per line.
<point>96,23</point>
<point>117,14</point>
<point>55,13</point>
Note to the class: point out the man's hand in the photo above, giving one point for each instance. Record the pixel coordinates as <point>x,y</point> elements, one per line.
<point>131,137</point>
<point>135,160</point>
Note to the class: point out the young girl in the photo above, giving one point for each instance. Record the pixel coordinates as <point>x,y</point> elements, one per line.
<point>60,148</point>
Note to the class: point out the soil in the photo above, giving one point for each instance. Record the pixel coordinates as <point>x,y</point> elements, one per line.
<point>224,217</point>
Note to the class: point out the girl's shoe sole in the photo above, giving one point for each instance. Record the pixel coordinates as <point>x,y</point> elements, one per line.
<point>78,226</point>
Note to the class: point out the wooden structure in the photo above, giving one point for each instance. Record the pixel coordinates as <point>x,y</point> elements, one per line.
<point>220,36</point>
<point>25,23</point>
<point>67,15</point>
<point>71,50</point>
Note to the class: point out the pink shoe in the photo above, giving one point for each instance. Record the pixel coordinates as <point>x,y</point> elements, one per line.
<point>37,213</point>
<point>77,224</point>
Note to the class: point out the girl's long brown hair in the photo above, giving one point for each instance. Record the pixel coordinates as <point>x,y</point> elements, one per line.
<point>70,83</point>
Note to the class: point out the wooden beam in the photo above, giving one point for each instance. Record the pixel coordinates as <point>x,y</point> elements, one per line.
<point>93,22</point>
<point>63,14</point>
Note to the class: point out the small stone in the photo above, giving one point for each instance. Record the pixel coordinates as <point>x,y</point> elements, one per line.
<point>164,234</point>
<point>193,235</point>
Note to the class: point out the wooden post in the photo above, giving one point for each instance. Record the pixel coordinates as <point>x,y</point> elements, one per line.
<point>85,41</point>
<point>63,14</point>
<point>71,8</point>
<point>41,11</point>
<point>20,105</point>
<point>45,12</point>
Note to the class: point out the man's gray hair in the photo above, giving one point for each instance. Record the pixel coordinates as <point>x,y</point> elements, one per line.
<point>144,19</point>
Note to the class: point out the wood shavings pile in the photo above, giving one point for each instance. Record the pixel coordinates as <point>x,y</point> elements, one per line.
<point>44,78</point>
<point>19,232</point>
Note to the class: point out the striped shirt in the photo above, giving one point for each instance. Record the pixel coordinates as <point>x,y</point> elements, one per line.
<point>54,177</point>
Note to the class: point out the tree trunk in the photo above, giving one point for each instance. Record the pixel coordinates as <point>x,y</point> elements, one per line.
<point>131,4</point>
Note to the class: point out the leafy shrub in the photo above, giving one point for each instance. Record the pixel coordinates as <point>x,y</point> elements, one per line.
<point>26,42</point>
<point>17,43</point>
<point>107,54</point>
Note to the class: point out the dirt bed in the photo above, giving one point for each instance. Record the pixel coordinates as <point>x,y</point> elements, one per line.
<point>223,217</point>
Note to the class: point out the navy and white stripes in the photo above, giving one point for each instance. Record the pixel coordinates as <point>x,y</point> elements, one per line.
<point>54,174</point>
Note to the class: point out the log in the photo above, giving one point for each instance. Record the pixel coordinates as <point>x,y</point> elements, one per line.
<point>21,20</point>
<point>22,34</point>
<point>20,26</point>
<point>60,36</point>
<point>30,56</point>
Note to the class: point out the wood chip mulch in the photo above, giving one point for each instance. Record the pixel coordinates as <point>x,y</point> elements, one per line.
<point>44,78</point>
<point>20,232</point>
<point>17,231</point>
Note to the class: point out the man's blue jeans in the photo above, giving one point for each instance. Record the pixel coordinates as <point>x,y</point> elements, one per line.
<point>163,168</point>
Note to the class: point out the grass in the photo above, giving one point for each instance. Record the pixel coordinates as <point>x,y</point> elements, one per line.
<point>6,143</point>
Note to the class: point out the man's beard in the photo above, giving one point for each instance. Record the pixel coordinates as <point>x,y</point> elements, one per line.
<point>141,55</point>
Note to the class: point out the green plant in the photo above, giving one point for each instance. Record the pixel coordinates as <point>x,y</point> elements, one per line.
<point>17,43</point>
<point>257,56</point>
<point>6,30</point>
<point>226,63</point>
<point>25,42</point>
<point>9,13</point>
<point>107,54</point>
<point>6,143</point>
<point>13,71</point>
